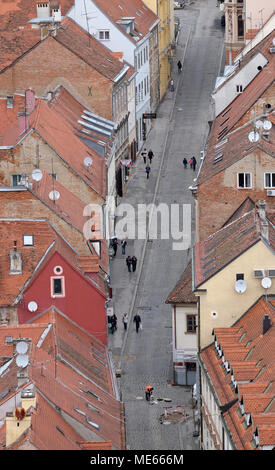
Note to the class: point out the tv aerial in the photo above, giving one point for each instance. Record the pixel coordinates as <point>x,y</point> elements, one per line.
<point>266,282</point>
<point>253,136</point>
<point>37,174</point>
<point>32,306</point>
<point>54,195</point>
<point>88,162</point>
<point>240,286</point>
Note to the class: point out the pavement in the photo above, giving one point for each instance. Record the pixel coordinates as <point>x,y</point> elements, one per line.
<point>181,129</point>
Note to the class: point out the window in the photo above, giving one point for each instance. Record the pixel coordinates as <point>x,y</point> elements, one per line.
<point>104,35</point>
<point>239,88</point>
<point>191,323</point>
<point>16,179</point>
<point>244,180</point>
<point>239,277</point>
<point>28,240</point>
<point>57,286</point>
<point>269,180</point>
<point>9,101</point>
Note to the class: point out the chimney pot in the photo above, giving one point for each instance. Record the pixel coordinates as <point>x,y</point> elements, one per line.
<point>266,324</point>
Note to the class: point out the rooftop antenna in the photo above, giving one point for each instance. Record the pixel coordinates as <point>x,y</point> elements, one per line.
<point>87,21</point>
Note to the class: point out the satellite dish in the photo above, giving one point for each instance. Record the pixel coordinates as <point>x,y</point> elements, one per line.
<point>88,161</point>
<point>266,282</point>
<point>54,195</point>
<point>267,125</point>
<point>37,174</point>
<point>240,286</point>
<point>259,124</point>
<point>32,306</point>
<point>253,136</point>
<point>22,347</point>
<point>22,360</point>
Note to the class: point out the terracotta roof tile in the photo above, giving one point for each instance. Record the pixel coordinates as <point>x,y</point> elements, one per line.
<point>182,293</point>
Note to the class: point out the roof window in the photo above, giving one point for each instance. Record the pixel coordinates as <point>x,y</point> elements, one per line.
<point>28,240</point>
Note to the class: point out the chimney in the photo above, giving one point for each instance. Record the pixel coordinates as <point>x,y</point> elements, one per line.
<point>266,324</point>
<point>15,260</point>
<point>29,101</point>
<point>263,220</point>
<point>23,122</point>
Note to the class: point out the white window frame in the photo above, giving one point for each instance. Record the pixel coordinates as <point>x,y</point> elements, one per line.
<point>271,177</point>
<point>244,173</point>
<point>53,294</point>
<point>28,240</point>
<point>103,32</point>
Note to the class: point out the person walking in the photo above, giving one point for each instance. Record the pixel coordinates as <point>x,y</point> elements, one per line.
<point>114,245</point>
<point>123,246</point>
<point>144,154</point>
<point>125,320</point>
<point>171,85</point>
<point>148,392</point>
<point>185,162</point>
<point>191,163</point>
<point>148,169</point>
<point>150,155</point>
<point>137,321</point>
<point>113,323</point>
<point>129,263</point>
<point>134,263</point>
<point>194,162</point>
<point>179,64</point>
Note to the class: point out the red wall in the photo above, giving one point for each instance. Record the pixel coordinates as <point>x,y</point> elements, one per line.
<point>82,303</point>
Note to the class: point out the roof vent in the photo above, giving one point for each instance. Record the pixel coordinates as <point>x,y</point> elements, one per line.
<point>266,324</point>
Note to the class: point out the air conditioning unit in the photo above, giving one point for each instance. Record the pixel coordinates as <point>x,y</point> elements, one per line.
<point>271,272</point>
<point>259,273</point>
<point>272,50</point>
<point>270,192</point>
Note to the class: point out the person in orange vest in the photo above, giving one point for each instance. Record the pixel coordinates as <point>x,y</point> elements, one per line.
<point>148,392</point>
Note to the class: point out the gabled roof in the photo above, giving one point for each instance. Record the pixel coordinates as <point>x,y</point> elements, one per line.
<point>233,148</point>
<point>91,51</point>
<point>182,293</point>
<point>15,43</point>
<point>246,206</point>
<point>222,247</point>
<point>253,373</point>
<point>116,10</point>
<point>71,370</point>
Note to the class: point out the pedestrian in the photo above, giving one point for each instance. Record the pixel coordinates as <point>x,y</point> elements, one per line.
<point>123,246</point>
<point>114,244</point>
<point>191,163</point>
<point>137,321</point>
<point>150,155</point>
<point>129,263</point>
<point>134,263</point>
<point>113,323</point>
<point>185,162</point>
<point>148,392</point>
<point>172,88</point>
<point>148,169</point>
<point>194,162</point>
<point>125,320</point>
<point>144,154</point>
<point>179,64</point>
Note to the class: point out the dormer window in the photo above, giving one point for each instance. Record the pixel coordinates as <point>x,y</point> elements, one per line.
<point>241,406</point>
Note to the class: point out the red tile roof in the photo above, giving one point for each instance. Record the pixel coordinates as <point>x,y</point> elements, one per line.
<point>14,44</point>
<point>222,247</point>
<point>254,374</point>
<point>145,18</point>
<point>182,293</point>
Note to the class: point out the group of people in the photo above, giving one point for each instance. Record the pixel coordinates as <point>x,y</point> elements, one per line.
<point>192,163</point>
<point>147,158</point>
<point>113,322</point>
<point>131,263</point>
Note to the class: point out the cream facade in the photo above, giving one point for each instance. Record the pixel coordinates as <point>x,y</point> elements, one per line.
<point>164,9</point>
<point>220,304</point>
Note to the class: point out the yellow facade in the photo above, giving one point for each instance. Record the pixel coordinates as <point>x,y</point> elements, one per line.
<point>221,306</point>
<point>164,9</point>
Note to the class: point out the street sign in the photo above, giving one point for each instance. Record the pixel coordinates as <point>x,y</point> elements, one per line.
<point>149,116</point>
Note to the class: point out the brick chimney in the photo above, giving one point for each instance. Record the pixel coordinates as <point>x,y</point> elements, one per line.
<point>266,324</point>
<point>263,220</point>
<point>29,101</point>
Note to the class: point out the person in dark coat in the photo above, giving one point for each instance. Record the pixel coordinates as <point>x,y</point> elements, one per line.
<point>134,263</point>
<point>129,263</point>
<point>144,154</point>
<point>113,323</point>
<point>194,162</point>
<point>147,169</point>
<point>137,321</point>
<point>114,245</point>
<point>150,155</point>
<point>179,64</point>
<point>123,246</point>
<point>185,162</point>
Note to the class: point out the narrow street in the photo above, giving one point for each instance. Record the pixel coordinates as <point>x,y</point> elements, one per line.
<point>181,129</point>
